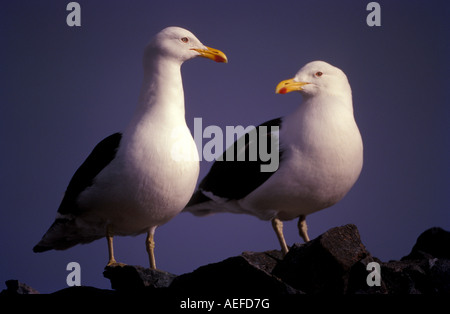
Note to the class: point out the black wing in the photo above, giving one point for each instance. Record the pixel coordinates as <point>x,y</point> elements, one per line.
<point>235,179</point>
<point>102,154</point>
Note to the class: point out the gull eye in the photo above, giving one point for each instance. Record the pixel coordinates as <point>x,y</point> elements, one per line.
<point>318,74</point>
<point>185,40</point>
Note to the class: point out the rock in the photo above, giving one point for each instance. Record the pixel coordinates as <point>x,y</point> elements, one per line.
<point>323,265</point>
<point>265,261</point>
<point>128,278</point>
<point>434,241</point>
<point>247,275</point>
<point>83,291</point>
<point>336,262</point>
<point>357,278</point>
<point>425,270</point>
<point>14,287</point>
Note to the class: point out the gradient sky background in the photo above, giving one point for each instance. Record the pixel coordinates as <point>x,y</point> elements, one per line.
<point>63,89</point>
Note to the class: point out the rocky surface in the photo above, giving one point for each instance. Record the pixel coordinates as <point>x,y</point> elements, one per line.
<point>336,262</point>
<point>14,287</point>
<point>126,277</point>
<point>326,264</point>
<point>249,274</point>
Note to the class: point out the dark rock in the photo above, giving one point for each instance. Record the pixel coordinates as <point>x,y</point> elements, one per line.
<point>14,287</point>
<point>439,276</point>
<point>434,241</point>
<point>357,278</point>
<point>336,262</point>
<point>128,277</point>
<point>323,264</point>
<point>425,270</point>
<point>247,274</point>
<point>399,277</point>
<point>265,261</point>
<point>427,275</point>
<point>83,291</point>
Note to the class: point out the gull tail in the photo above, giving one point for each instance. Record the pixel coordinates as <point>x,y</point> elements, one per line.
<point>198,205</point>
<point>204,203</point>
<point>65,233</point>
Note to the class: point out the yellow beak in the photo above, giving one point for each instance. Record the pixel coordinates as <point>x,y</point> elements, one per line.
<point>288,86</point>
<point>212,54</point>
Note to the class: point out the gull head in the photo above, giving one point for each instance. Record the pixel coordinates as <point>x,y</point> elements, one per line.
<point>317,78</point>
<point>180,45</point>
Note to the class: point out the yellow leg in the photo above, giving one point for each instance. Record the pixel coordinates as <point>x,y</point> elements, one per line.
<point>303,228</point>
<point>277,225</point>
<point>109,239</point>
<point>150,246</point>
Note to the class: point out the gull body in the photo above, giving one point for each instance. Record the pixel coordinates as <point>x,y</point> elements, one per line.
<point>132,183</point>
<point>321,157</point>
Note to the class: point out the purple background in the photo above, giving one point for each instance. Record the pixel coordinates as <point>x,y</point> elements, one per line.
<point>63,89</point>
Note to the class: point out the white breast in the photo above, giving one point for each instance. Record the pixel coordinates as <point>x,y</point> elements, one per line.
<point>156,167</point>
<point>133,194</point>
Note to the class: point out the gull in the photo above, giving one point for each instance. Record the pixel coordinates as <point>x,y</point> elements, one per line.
<point>320,154</point>
<point>135,181</point>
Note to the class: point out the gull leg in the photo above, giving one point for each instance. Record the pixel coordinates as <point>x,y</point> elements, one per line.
<point>303,228</point>
<point>277,225</point>
<point>109,239</point>
<point>150,246</point>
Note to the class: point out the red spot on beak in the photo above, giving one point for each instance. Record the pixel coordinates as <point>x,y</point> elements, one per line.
<point>283,90</point>
<point>218,58</point>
